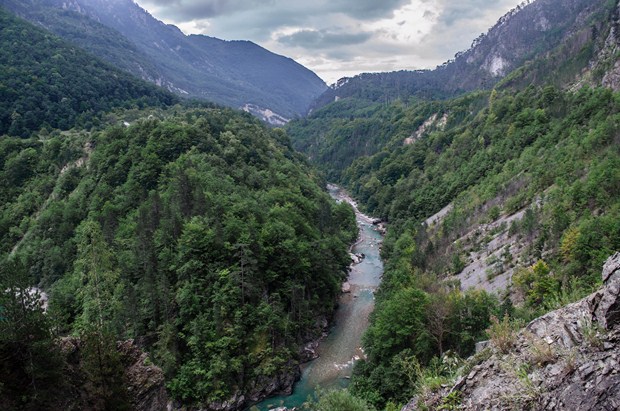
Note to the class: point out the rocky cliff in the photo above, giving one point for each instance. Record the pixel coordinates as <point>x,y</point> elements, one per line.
<point>143,380</point>
<point>568,359</point>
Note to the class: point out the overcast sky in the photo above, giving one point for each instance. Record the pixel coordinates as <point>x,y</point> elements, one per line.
<point>337,38</point>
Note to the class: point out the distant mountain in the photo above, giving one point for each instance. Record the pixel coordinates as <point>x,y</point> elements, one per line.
<point>559,36</point>
<point>47,82</point>
<point>239,74</point>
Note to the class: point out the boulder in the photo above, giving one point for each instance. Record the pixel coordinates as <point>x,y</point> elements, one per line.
<point>357,258</point>
<point>607,311</point>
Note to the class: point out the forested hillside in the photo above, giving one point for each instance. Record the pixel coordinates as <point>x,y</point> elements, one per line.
<point>537,171</point>
<point>198,232</point>
<point>191,229</point>
<point>48,83</point>
<point>232,73</point>
<point>501,205</point>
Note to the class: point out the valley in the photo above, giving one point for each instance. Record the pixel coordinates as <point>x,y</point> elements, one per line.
<point>341,348</point>
<point>169,239</point>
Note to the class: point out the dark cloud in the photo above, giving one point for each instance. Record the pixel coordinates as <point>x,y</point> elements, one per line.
<point>181,10</point>
<point>367,9</point>
<point>323,39</point>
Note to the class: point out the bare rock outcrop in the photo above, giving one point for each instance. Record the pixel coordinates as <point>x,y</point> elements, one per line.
<point>568,359</point>
<point>145,381</point>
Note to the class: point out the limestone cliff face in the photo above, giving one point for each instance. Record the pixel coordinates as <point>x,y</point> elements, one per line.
<point>568,359</point>
<point>608,61</point>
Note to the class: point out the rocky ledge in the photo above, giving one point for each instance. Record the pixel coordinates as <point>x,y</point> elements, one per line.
<point>568,359</point>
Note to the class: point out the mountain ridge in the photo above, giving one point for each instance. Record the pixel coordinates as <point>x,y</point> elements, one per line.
<point>527,32</point>
<point>65,85</point>
<point>233,73</point>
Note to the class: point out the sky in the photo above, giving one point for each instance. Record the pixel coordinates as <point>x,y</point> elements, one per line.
<point>341,38</point>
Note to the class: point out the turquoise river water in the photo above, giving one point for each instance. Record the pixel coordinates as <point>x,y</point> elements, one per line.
<point>339,351</point>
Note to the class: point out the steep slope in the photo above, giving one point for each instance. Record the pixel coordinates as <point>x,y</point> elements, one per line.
<point>82,31</point>
<point>235,73</point>
<point>565,360</point>
<point>47,82</point>
<point>569,31</point>
<point>567,45</point>
<point>195,231</point>
<point>531,183</point>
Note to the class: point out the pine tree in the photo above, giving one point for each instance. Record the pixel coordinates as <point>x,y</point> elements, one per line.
<point>30,361</point>
<point>99,322</point>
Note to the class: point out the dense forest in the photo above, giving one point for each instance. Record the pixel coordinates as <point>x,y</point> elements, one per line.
<point>197,231</point>
<point>192,229</point>
<point>47,83</point>
<point>489,155</point>
<point>210,241</point>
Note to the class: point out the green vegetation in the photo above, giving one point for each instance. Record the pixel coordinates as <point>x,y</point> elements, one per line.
<point>30,361</point>
<point>46,83</point>
<point>198,231</point>
<point>203,235</point>
<point>337,400</point>
<point>550,154</point>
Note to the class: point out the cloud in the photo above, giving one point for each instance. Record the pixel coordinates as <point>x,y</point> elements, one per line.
<point>322,39</point>
<point>459,23</point>
<point>342,37</point>
<point>182,10</point>
<point>367,9</point>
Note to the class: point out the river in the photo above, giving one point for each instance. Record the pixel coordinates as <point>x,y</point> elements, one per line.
<point>342,347</point>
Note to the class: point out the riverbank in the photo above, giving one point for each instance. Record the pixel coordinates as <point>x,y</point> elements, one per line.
<point>341,349</point>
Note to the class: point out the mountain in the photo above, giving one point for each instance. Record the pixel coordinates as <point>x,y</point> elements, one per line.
<point>46,82</point>
<point>548,35</point>
<point>204,237</point>
<point>546,42</point>
<point>181,228</point>
<point>499,184</point>
<point>239,74</point>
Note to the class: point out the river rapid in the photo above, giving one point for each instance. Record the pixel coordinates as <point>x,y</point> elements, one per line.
<point>339,351</point>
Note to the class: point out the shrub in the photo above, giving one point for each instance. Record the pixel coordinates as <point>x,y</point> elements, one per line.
<point>502,333</point>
